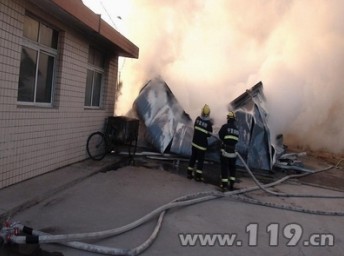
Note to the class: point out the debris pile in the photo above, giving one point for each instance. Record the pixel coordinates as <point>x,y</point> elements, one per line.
<point>169,129</point>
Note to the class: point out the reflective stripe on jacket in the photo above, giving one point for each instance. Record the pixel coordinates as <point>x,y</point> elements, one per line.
<point>229,135</point>
<point>202,130</point>
<point>228,155</point>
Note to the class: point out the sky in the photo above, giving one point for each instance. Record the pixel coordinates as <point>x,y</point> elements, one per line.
<point>209,52</point>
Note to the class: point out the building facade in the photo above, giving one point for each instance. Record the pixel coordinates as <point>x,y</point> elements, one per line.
<point>58,77</point>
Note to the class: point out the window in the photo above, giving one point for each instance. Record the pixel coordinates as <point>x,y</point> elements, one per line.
<point>94,79</point>
<point>39,51</point>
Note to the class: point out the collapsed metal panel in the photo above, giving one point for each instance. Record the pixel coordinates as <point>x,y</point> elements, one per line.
<point>171,129</point>
<point>181,143</point>
<point>254,140</point>
<point>158,108</point>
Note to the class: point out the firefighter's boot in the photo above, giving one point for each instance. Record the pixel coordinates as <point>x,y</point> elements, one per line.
<point>189,173</point>
<point>224,185</point>
<point>231,186</point>
<point>231,183</point>
<point>199,175</point>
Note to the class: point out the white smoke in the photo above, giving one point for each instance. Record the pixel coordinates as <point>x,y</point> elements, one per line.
<point>211,51</point>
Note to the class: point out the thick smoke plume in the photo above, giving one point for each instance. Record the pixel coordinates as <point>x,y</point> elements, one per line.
<point>211,51</point>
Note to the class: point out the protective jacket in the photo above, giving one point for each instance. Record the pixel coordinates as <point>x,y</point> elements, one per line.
<point>202,130</point>
<point>229,135</point>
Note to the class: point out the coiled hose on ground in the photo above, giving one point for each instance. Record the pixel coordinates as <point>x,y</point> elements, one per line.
<point>69,239</point>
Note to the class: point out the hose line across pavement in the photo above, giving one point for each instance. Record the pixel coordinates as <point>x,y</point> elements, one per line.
<point>72,240</point>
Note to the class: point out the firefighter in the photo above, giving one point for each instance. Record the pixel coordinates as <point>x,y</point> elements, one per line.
<point>229,136</point>
<point>203,128</point>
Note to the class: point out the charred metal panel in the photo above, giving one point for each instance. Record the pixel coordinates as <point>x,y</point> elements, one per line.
<point>254,141</point>
<point>160,111</point>
<point>181,143</point>
<point>170,129</point>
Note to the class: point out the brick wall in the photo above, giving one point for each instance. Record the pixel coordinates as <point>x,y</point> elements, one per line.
<point>35,140</point>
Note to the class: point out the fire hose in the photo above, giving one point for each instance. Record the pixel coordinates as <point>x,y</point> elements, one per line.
<point>10,232</point>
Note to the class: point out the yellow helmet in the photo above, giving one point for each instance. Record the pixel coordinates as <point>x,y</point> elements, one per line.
<point>205,110</point>
<point>231,114</point>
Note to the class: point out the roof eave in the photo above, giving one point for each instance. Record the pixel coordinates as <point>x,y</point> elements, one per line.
<point>76,14</point>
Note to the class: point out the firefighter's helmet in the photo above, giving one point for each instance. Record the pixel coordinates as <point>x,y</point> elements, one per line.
<point>231,115</point>
<point>205,110</point>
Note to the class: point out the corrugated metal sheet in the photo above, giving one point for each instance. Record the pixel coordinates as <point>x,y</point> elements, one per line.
<point>254,141</point>
<point>181,143</point>
<point>171,129</point>
<point>161,113</point>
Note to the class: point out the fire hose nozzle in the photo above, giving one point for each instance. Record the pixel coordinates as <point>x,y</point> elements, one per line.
<point>7,231</point>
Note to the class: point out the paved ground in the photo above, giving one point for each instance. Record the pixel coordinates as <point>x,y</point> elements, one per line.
<point>93,196</point>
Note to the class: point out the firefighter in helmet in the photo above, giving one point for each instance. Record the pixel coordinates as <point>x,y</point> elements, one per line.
<point>229,136</point>
<point>203,128</point>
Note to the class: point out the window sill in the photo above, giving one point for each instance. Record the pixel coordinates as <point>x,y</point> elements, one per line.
<point>92,108</point>
<point>22,104</point>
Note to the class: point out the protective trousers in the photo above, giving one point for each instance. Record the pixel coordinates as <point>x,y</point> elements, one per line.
<point>228,169</point>
<point>198,155</point>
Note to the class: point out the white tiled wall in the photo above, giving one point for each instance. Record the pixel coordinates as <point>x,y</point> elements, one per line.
<point>36,140</point>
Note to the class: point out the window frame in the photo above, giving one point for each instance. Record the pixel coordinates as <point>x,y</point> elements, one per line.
<point>40,48</point>
<point>95,70</point>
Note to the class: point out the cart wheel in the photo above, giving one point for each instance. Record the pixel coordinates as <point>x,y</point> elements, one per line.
<point>96,146</point>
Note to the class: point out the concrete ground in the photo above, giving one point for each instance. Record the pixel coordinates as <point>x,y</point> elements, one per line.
<point>94,196</point>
